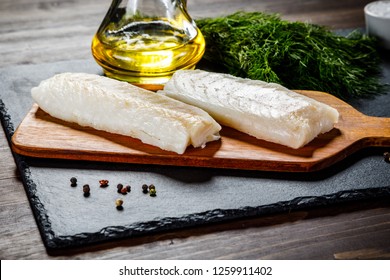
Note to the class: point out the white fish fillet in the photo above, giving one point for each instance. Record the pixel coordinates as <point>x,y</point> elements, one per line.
<point>266,111</point>
<point>119,107</point>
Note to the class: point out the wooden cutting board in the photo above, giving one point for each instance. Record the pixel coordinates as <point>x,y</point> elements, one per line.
<point>40,135</point>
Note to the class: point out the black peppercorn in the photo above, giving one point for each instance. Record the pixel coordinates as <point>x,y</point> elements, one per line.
<point>86,190</point>
<point>119,187</point>
<point>386,156</point>
<point>128,188</point>
<point>145,188</point>
<point>73,181</point>
<point>152,187</point>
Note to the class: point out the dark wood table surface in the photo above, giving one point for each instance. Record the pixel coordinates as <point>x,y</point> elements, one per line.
<point>36,31</point>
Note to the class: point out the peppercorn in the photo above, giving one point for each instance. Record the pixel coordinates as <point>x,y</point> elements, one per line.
<point>145,188</point>
<point>152,192</point>
<point>73,181</point>
<point>86,190</point>
<point>119,187</point>
<point>386,155</point>
<point>124,190</point>
<point>103,183</point>
<point>128,188</point>
<point>152,187</point>
<point>119,203</point>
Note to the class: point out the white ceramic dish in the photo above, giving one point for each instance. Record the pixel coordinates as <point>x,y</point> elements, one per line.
<point>377,16</point>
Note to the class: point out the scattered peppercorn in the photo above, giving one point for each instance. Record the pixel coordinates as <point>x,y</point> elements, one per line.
<point>145,188</point>
<point>119,187</point>
<point>386,155</point>
<point>152,187</point>
<point>128,188</point>
<point>103,183</point>
<point>86,190</point>
<point>152,192</point>
<point>73,181</point>
<point>119,204</point>
<point>124,190</point>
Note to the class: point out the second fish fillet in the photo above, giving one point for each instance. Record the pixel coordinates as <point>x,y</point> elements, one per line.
<point>266,111</point>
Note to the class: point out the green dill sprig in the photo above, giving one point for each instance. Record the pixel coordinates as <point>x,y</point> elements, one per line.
<point>295,54</point>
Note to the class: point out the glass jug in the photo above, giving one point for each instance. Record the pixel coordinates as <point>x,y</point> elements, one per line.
<point>145,41</point>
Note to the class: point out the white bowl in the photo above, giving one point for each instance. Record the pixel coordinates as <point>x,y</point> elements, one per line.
<point>377,16</point>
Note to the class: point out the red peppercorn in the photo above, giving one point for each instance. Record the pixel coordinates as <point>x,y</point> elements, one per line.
<point>103,183</point>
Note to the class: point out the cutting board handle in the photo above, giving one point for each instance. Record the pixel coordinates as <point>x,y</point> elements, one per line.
<point>380,127</point>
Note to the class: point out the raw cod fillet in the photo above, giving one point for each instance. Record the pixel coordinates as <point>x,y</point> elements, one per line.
<point>119,107</point>
<point>266,111</point>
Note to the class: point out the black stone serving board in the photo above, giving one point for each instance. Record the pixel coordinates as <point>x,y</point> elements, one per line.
<point>186,197</point>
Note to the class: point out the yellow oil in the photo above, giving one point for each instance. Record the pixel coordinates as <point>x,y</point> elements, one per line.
<point>147,54</point>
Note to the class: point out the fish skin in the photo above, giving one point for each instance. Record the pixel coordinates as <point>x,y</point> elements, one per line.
<point>119,107</point>
<point>266,111</point>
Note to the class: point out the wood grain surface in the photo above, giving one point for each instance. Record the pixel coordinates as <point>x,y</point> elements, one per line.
<point>36,31</point>
<point>64,140</point>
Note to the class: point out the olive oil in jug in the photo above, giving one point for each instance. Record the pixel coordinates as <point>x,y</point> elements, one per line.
<point>145,42</point>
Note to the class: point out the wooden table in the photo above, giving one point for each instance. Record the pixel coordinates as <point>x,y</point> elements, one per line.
<point>32,32</point>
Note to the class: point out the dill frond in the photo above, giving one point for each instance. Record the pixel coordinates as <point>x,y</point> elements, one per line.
<point>295,54</point>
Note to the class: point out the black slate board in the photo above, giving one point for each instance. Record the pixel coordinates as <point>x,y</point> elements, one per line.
<point>186,197</point>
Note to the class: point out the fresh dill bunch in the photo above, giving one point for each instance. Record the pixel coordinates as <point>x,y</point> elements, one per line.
<point>295,54</point>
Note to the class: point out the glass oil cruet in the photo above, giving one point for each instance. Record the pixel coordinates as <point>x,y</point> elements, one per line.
<point>145,41</point>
